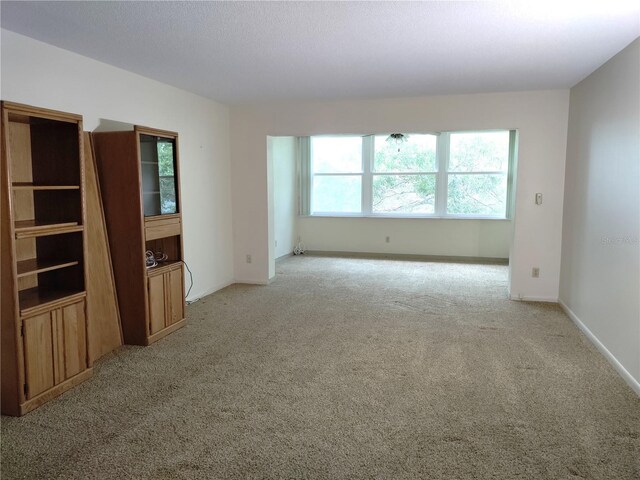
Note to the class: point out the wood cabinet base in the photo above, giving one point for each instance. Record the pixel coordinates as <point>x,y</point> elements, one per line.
<point>163,333</point>
<point>52,393</point>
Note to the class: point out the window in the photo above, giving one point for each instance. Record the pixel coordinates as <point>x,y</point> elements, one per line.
<point>448,174</point>
<point>337,174</point>
<point>477,173</point>
<point>404,175</point>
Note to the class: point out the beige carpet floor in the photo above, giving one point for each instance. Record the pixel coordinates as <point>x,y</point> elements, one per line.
<point>345,369</point>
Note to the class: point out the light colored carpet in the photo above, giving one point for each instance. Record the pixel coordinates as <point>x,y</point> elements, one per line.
<point>345,369</point>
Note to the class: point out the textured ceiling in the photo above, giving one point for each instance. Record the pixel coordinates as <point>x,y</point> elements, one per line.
<point>243,52</point>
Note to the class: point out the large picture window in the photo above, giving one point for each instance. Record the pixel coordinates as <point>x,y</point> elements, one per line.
<point>447,174</point>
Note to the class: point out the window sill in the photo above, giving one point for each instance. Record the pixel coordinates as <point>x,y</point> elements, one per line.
<point>405,217</point>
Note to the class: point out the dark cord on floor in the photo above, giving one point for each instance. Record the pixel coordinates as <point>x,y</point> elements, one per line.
<point>191,280</point>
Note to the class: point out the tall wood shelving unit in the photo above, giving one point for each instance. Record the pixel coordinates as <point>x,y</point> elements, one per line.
<point>139,181</point>
<point>44,321</point>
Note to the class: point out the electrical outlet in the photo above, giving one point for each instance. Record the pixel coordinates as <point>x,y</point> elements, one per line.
<point>538,199</point>
<point>248,258</point>
<point>387,239</point>
<point>276,243</point>
<point>535,272</point>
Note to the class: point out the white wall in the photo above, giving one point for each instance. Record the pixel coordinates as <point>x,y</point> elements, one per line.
<point>600,277</point>
<point>285,203</point>
<point>459,238</point>
<point>540,117</point>
<point>45,76</point>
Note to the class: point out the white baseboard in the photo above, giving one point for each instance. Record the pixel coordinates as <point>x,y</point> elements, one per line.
<point>632,382</point>
<point>209,291</point>
<point>195,296</point>
<point>525,298</point>
<point>250,281</point>
<point>409,257</point>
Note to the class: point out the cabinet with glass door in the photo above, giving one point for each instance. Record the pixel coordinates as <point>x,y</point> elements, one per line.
<point>140,185</point>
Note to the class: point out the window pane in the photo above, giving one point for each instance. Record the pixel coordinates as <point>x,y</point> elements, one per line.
<point>479,152</point>
<point>336,154</point>
<point>337,193</point>
<point>404,193</point>
<point>477,194</point>
<point>416,154</point>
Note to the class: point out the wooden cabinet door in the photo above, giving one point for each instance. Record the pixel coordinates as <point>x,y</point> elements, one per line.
<point>39,353</point>
<point>175,295</point>
<point>55,347</point>
<point>156,303</point>
<point>166,299</point>
<point>73,348</point>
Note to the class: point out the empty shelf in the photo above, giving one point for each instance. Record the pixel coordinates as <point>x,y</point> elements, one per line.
<point>33,265</point>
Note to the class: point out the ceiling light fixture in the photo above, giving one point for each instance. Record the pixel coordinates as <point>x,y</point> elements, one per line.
<point>398,139</point>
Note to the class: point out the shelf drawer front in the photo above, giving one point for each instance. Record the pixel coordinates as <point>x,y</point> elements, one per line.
<point>38,340</point>
<point>160,228</point>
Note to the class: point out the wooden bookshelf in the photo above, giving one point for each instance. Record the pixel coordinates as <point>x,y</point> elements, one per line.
<point>43,256</point>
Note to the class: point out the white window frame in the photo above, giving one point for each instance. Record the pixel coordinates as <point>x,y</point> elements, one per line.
<point>442,176</point>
